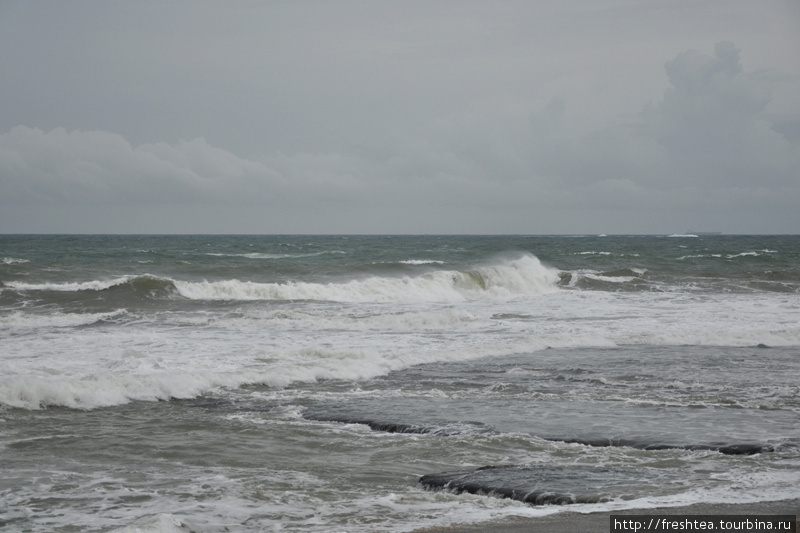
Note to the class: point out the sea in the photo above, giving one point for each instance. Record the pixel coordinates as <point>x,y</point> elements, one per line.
<point>308,383</point>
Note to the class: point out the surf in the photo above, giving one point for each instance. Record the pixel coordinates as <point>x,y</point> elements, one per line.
<point>522,276</point>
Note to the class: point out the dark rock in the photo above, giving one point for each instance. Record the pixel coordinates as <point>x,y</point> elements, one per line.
<point>399,427</point>
<point>537,484</point>
<point>727,449</point>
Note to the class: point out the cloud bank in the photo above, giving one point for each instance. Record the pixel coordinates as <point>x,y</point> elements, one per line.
<point>707,156</point>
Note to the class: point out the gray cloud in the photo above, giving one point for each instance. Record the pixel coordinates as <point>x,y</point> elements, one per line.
<point>550,119</point>
<point>712,123</point>
<point>708,146</point>
<point>97,167</point>
<point>525,117</point>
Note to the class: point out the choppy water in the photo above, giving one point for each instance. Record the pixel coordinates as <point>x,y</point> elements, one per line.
<point>306,383</point>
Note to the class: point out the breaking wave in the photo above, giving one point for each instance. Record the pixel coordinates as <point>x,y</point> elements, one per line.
<point>14,261</point>
<point>261,255</point>
<point>145,281</point>
<point>422,262</point>
<point>523,276</point>
<point>106,389</point>
<point>122,288</point>
<point>519,277</point>
<point>19,319</point>
<point>607,280</point>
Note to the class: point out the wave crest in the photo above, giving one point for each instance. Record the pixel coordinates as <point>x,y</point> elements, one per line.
<point>524,276</point>
<point>143,282</point>
<point>14,261</point>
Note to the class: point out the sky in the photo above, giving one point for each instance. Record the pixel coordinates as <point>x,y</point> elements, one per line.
<point>412,116</point>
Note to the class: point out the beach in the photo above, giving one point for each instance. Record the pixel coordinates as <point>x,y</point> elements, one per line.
<point>570,522</point>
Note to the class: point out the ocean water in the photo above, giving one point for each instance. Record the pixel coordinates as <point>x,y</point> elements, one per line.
<point>362,383</point>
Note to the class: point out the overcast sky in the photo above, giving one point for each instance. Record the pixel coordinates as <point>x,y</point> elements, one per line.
<point>377,116</point>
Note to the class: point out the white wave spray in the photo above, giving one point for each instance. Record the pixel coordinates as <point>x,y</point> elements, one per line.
<point>524,276</point>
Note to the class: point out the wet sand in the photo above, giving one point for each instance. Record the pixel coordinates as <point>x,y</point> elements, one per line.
<point>572,522</point>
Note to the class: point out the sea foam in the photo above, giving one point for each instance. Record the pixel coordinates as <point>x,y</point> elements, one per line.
<point>523,276</point>
<point>22,320</point>
<point>14,261</point>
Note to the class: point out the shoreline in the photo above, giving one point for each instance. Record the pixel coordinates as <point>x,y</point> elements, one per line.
<point>598,522</point>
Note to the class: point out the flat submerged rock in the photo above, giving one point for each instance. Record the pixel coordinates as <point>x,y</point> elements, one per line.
<point>539,484</point>
<point>724,448</point>
<point>437,420</point>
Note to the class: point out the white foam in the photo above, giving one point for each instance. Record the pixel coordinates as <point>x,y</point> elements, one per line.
<point>20,319</point>
<point>422,262</point>
<point>264,255</point>
<point>610,279</point>
<point>94,285</point>
<point>100,390</point>
<point>523,276</point>
<point>162,523</point>
<point>364,329</point>
<point>14,261</point>
<point>519,277</point>
<point>698,256</point>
